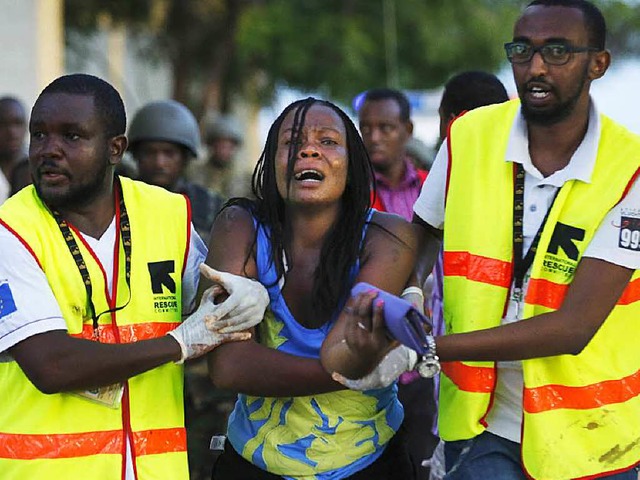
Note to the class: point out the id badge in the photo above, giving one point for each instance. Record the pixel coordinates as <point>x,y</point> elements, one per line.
<point>516,303</point>
<point>109,396</point>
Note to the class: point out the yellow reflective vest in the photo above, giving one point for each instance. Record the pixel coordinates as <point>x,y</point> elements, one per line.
<point>67,436</point>
<point>581,413</point>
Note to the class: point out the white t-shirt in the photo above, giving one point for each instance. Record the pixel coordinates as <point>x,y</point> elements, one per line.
<point>28,306</point>
<point>24,285</point>
<point>505,416</point>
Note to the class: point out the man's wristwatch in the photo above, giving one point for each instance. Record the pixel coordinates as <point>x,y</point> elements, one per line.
<point>429,364</point>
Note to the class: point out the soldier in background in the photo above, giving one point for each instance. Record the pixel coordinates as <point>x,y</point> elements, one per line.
<point>13,128</point>
<point>163,138</point>
<point>223,138</point>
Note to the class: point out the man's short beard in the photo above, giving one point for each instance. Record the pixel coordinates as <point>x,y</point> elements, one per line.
<point>559,113</point>
<point>549,117</point>
<point>77,196</point>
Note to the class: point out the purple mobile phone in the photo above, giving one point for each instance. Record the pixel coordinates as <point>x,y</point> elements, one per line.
<point>403,321</point>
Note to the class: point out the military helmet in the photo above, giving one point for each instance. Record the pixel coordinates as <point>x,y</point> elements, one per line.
<point>165,121</point>
<point>224,126</point>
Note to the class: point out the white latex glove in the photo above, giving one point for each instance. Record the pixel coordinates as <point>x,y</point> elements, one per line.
<point>195,338</point>
<point>396,362</point>
<point>245,306</point>
<point>415,297</point>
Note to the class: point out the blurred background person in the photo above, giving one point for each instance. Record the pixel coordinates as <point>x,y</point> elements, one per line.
<point>13,128</point>
<point>163,138</point>
<point>223,138</point>
<point>20,176</point>
<point>386,127</point>
<point>466,91</point>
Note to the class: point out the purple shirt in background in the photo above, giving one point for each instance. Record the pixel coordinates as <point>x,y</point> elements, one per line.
<point>400,199</point>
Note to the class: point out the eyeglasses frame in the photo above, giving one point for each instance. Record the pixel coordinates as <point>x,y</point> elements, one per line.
<point>571,49</point>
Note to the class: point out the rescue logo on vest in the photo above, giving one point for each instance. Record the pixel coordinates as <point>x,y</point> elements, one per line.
<point>629,233</point>
<point>163,286</point>
<point>563,241</point>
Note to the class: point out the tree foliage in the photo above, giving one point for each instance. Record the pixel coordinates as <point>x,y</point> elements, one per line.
<point>196,37</point>
<point>342,47</point>
<point>623,23</point>
<point>219,49</point>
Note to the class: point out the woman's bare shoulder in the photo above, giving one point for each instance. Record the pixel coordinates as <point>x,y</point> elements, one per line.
<point>392,227</point>
<point>232,240</point>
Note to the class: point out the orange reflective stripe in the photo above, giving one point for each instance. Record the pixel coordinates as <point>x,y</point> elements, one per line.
<point>553,397</point>
<point>72,445</point>
<point>128,333</point>
<point>69,445</point>
<point>546,293</point>
<point>477,268</point>
<point>551,295</point>
<point>150,442</point>
<point>630,294</point>
<point>469,378</point>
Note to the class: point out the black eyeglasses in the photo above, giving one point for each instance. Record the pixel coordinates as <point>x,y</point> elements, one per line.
<point>552,53</point>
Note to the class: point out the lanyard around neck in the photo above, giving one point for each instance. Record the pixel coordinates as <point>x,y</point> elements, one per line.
<point>124,231</point>
<point>521,261</point>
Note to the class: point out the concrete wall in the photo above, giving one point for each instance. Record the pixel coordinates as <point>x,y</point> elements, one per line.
<point>31,33</point>
<point>113,53</point>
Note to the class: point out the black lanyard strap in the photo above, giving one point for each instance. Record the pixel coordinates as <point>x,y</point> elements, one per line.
<point>523,262</point>
<point>72,245</point>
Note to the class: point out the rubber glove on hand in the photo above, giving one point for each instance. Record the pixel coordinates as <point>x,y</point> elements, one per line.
<point>195,338</point>
<point>415,297</point>
<point>245,306</point>
<point>396,362</point>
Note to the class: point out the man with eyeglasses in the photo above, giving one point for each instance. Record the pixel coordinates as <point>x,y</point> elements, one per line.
<point>541,372</point>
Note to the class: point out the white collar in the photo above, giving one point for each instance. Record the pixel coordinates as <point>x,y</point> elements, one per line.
<point>582,163</point>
